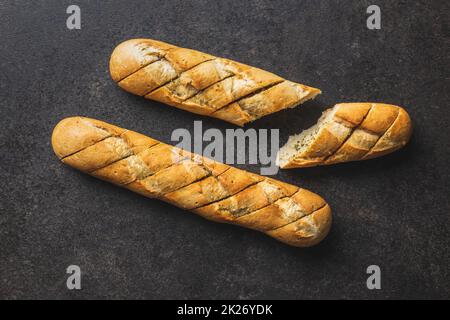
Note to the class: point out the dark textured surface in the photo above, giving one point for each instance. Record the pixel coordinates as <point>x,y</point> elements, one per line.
<point>392,212</point>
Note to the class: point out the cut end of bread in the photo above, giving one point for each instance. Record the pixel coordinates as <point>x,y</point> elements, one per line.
<point>278,97</point>
<point>290,155</point>
<point>313,93</point>
<point>348,132</point>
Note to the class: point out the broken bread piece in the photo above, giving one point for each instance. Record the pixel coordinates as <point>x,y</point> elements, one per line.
<point>201,83</point>
<point>348,132</point>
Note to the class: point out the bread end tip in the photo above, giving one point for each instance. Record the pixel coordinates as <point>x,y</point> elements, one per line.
<point>307,231</point>
<point>59,136</point>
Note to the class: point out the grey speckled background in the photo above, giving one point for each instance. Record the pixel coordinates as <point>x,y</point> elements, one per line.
<point>393,211</point>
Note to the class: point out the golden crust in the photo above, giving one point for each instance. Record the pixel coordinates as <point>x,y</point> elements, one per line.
<point>355,148</point>
<point>148,78</point>
<point>283,211</point>
<point>230,89</point>
<point>75,133</point>
<point>394,138</point>
<point>211,189</point>
<point>357,131</point>
<point>251,199</point>
<point>380,118</point>
<point>233,113</point>
<point>305,232</point>
<point>131,55</point>
<point>99,155</point>
<point>285,94</point>
<point>351,113</point>
<point>183,59</point>
<point>280,96</point>
<point>170,179</point>
<point>302,163</point>
<point>201,83</point>
<point>328,140</point>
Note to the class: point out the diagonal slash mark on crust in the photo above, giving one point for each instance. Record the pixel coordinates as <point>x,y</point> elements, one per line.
<point>380,137</point>
<point>349,135</point>
<point>142,67</point>
<point>197,181</point>
<point>96,142</point>
<point>297,220</point>
<point>247,187</point>
<point>126,157</point>
<point>74,153</point>
<point>257,91</point>
<point>182,158</point>
<point>228,196</point>
<point>209,86</point>
<point>178,76</point>
<point>263,207</point>
<point>161,53</point>
<point>179,161</point>
<point>209,174</point>
<point>275,202</point>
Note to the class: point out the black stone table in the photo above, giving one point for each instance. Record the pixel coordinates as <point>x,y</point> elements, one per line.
<point>392,212</point>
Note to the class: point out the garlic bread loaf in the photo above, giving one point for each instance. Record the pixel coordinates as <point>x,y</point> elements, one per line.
<point>348,132</point>
<point>211,189</point>
<point>202,83</point>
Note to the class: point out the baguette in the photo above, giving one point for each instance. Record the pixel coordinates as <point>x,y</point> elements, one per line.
<point>201,83</point>
<point>348,132</point>
<point>211,189</point>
